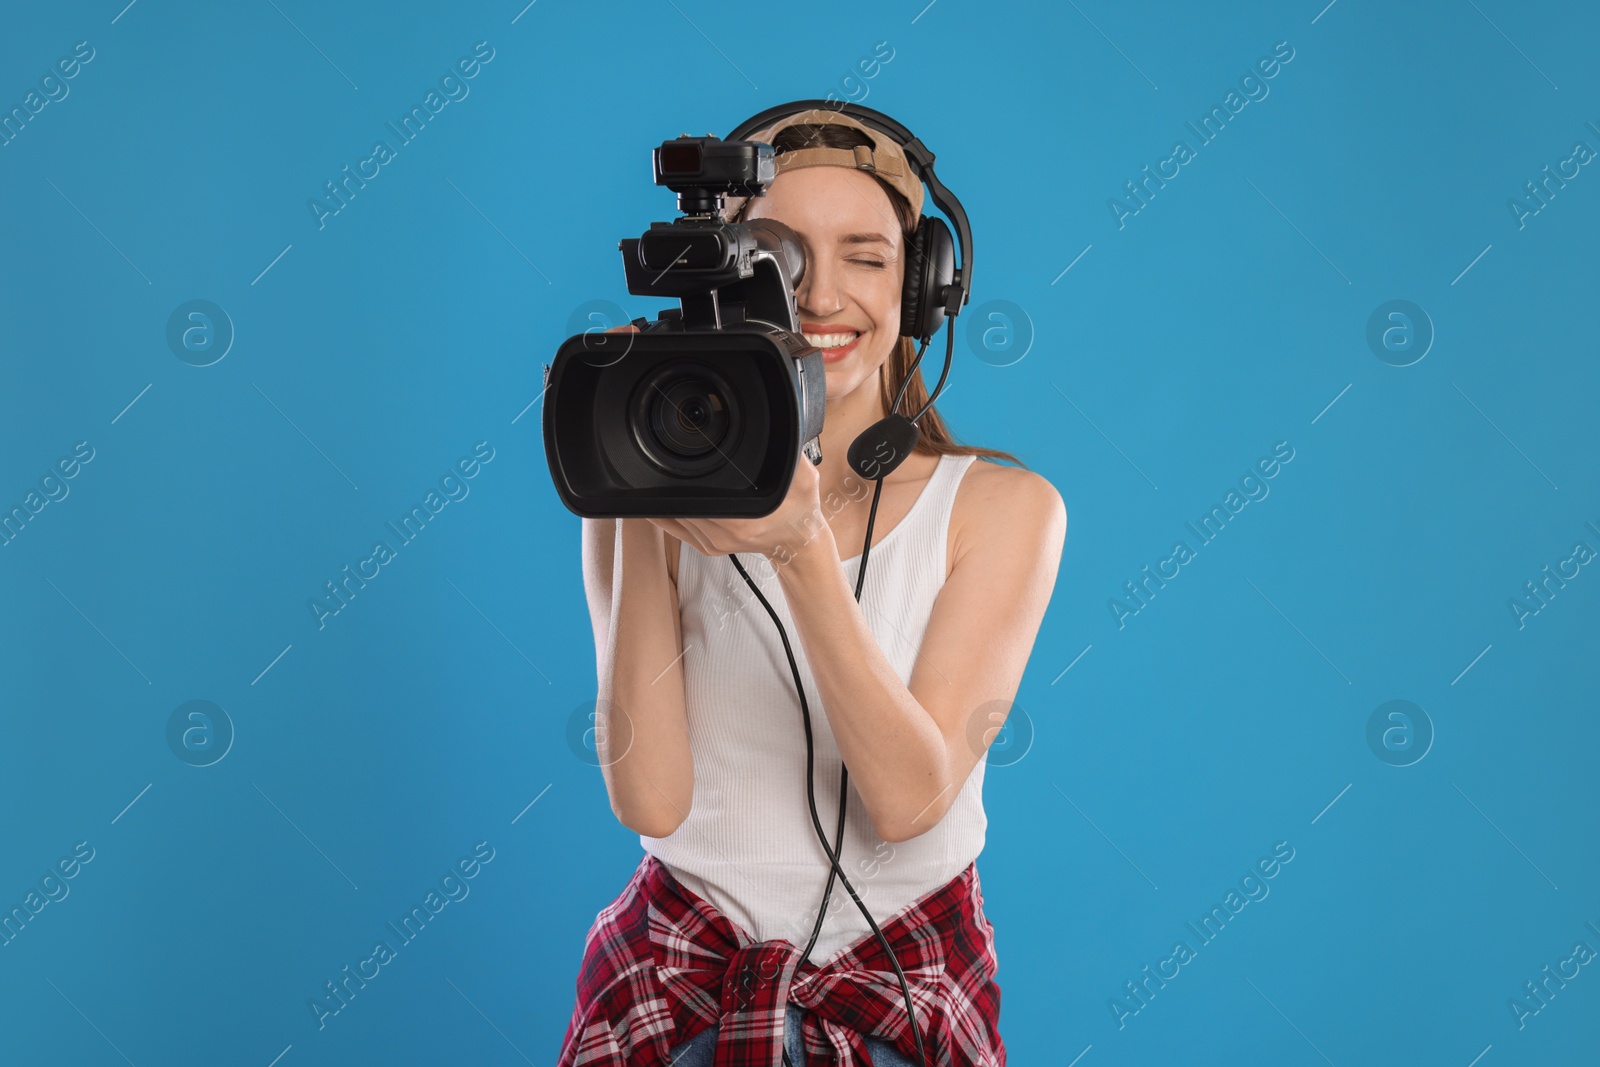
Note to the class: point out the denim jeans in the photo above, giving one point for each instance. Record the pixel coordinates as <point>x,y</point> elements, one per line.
<point>696,1052</point>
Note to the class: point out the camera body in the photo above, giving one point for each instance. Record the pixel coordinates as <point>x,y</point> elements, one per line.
<point>706,410</point>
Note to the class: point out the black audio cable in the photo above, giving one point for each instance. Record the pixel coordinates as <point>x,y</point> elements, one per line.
<point>835,871</point>
<point>949,351</point>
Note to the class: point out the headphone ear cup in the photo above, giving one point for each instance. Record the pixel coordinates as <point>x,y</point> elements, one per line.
<point>930,267</point>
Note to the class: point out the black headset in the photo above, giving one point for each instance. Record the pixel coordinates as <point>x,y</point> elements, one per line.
<point>934,292</point>
<point>934,285</point>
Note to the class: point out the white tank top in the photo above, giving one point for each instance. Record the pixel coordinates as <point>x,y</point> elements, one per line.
<point>748,845</point>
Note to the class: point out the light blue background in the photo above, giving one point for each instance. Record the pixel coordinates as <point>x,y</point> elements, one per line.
<point>370,355</point>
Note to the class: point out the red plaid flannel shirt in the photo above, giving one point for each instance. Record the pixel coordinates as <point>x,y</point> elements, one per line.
<point>661,964</point>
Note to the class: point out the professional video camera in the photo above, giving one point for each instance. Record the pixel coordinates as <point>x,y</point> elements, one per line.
<point>705,411</point>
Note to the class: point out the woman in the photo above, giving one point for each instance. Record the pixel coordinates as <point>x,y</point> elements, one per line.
<point>700,731</point>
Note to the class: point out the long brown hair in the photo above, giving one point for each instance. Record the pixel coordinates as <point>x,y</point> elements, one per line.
<point>936,438</point>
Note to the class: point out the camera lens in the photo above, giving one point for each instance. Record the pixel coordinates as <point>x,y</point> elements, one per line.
<point>688,416</point>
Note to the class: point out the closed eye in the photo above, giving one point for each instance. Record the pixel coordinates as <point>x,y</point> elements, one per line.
<point>870,263</point>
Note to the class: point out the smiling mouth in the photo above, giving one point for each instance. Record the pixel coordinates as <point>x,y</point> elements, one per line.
<point>831,339</point>
<point>835,345</point>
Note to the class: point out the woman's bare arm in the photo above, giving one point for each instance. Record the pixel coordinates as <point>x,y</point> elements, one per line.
<point>910,748</point>
<point>641,725</point>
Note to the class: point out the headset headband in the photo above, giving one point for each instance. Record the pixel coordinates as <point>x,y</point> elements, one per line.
<point>921,161</point>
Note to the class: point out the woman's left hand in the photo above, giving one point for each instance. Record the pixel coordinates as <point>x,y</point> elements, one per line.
<point>776,535</point>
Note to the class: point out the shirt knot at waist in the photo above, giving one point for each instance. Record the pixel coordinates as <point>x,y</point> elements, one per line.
<point>712,973</point>
<point>662,965</point>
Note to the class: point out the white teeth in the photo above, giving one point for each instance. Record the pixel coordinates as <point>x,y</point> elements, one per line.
<point>829,340</point>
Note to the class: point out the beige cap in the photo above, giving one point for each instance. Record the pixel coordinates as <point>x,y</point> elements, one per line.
<point>884,160</point>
